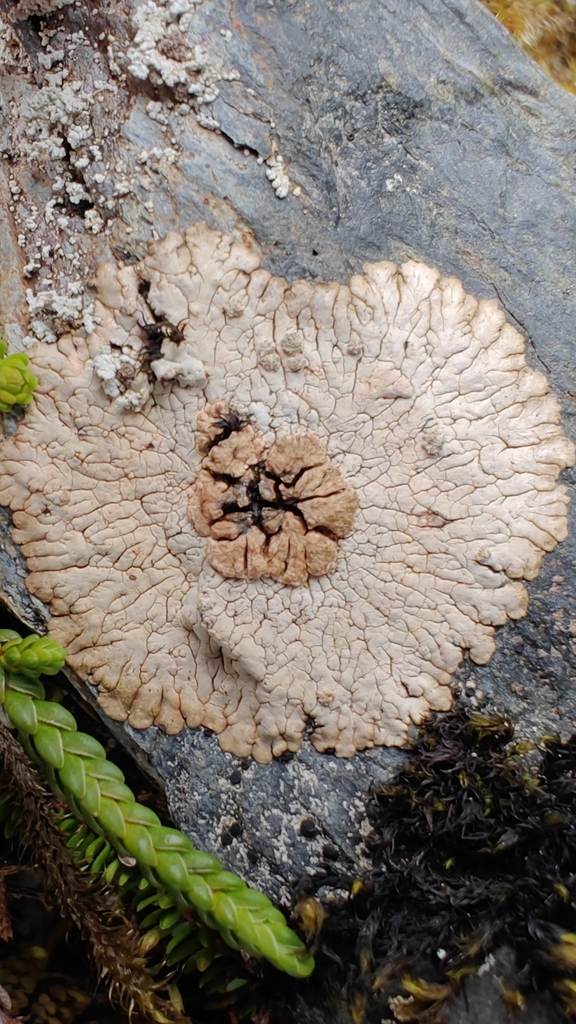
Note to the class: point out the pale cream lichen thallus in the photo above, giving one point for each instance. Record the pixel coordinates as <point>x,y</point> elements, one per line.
<point>299,506</point>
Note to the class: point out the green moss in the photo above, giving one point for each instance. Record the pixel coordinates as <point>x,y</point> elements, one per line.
<point>95,792</point>
<point>17,384</point>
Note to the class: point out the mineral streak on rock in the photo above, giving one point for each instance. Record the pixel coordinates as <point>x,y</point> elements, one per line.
<point>268,510</point>
<point>399,383</point>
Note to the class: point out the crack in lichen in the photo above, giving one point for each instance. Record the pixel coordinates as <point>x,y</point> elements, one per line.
<point>258,503</point>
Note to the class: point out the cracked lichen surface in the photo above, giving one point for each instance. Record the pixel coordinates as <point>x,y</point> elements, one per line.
<point>417,395</point>
<point>268,510</point>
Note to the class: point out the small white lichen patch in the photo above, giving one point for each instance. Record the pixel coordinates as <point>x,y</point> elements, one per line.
<point>27,8</point>
<point>51,125</point>
<point>54,115</point>
<point>10,50</point>
<point>67,305</point>
<point>163,53</point>
<point>117,314</point>
<point>420,398</point>
<point>160,43</point>
<point>277,176</point>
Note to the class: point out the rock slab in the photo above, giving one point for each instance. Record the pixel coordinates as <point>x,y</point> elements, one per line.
<point>420,132</point>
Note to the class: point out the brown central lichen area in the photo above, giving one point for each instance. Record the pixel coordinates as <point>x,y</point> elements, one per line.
<point>275,510</point>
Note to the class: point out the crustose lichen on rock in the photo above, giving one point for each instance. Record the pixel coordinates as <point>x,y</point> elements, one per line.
<point>442,443</point>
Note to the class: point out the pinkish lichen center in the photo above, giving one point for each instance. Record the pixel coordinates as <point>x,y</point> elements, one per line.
<point>268,510</point>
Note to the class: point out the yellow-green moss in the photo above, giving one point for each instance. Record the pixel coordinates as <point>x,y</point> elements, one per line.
<point>546,29</point>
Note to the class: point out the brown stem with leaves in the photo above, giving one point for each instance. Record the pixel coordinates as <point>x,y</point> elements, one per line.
<point>114,945</point>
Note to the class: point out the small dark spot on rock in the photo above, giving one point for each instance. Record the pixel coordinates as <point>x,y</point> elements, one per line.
<point>331,880</point>
<point>286,756</point>
<point>329,852</point>
<point>245,764</point>
<point>308,828</point>
<point>304,886</point>
<point>314,252</point>
<point>253,857</point>
<point>124,254</point>
<point>236,829</point>
<point>236,777</point>
<point>226,839</point>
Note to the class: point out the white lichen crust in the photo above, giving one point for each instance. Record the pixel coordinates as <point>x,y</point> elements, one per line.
<point>426,407</point>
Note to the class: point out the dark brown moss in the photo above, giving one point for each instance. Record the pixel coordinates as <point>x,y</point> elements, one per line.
<point>473,848</point>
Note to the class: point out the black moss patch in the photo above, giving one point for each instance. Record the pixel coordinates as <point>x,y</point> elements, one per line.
<point>473,849</point>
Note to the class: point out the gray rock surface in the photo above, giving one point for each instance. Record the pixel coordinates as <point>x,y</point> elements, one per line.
<point>409,130</point>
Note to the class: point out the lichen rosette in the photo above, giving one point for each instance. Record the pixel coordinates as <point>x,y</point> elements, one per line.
<point>444,446</point>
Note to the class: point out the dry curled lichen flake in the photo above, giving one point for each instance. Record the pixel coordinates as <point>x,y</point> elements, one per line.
<point>307,517</point>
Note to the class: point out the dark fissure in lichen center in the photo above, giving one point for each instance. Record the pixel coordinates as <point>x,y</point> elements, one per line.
<point>253,512</point>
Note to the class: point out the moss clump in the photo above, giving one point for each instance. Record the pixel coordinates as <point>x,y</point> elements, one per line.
<point>473,847</point>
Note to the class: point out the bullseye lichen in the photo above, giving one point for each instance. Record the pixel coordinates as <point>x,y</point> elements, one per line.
<point>285,505</point>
